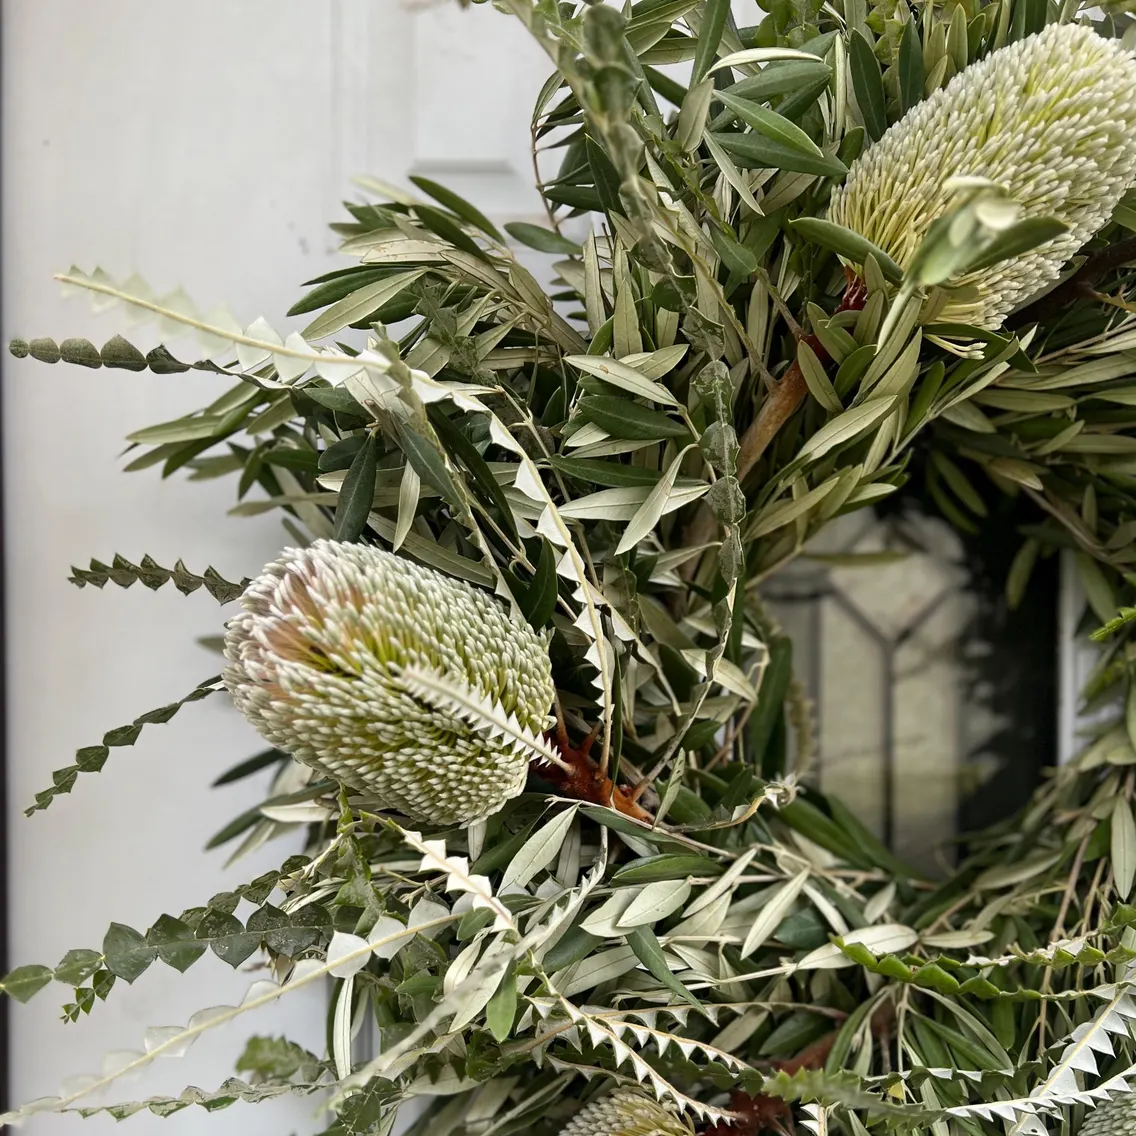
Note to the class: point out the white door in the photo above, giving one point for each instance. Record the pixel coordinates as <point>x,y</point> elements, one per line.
<point>204,145</point>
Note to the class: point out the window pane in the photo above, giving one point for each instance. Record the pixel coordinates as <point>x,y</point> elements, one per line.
<point>930,704</point>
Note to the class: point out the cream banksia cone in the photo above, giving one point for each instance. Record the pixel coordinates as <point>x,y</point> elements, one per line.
<point>626,1112</point>
<point>1116,1117</point>
<point>392,679</point>
<point>1050,118</point>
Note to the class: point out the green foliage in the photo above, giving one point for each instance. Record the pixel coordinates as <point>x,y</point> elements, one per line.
<point>629,456</point>
<point>91,759</point>
<point>121,572</point>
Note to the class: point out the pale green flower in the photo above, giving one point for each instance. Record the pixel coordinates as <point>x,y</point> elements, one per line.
<point>626,1112</point>
<point>391,678</point>
<point>1117,1117</point>
<point>1050,118</point>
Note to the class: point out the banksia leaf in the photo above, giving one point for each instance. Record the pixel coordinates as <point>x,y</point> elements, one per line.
<point>391,678</point>
<point>1049,119</point>
<point>626,1112</point>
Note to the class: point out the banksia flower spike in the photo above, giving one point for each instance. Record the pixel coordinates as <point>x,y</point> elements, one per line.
<point>1050,119</point>
<point>392,679</point>
<point>1116,1117</point>
<point>626,1112</point>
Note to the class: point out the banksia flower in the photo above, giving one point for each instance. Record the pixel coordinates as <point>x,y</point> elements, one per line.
<point>626,1112</point>
<point>1049,118</point>
<point>391,678</point>
<point>1116,1117</point>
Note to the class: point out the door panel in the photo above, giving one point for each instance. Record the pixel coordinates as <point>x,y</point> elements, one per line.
<point>206,146</point>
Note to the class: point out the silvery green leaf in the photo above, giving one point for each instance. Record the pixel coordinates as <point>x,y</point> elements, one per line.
<point>1123,847</point>
<point>769,918</point>
<point>723,885</point>
<point>705,922</point>
<point>674,784</point>
<point>819,384</point>
<point>341,1028</point>
<point>605,919</point>
<point>761,55</point>
<point>733,175</point>
<point>692,115</point>
<point>347,954</point>
<point>882,939</point>
<point>956,940</point>
<point>594,970</point>
<point>656,364</point>
<point>656,504</point>
<point>409,491</point>
<point>845,427</point>
<point>880,902</point>
<point>770,123</point>
<point>426,912</point>
<point>539,850</point>
<point>459,969</point>
<point>359,304</point>
<point>624,375</point>
<point>771,519</point>
<point>654,902</point>
<point>482,982</point>
<point>388,936</point>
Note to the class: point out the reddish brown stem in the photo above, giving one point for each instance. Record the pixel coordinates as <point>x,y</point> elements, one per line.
<point>778,407</point>
<point>583,780</point>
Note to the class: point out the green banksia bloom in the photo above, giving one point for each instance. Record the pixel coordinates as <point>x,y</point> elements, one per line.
<point>626,1112</point>
<point>391,678</point>
<point>1116,1117</point>
<point>1050,118</point>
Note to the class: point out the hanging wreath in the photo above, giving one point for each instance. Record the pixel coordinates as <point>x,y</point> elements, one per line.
<point>557,851</point>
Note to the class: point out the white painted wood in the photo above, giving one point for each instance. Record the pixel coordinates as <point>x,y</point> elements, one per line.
<point>202,145</point>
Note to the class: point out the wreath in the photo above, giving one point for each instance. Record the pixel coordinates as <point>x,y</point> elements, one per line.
<point>519,687</point>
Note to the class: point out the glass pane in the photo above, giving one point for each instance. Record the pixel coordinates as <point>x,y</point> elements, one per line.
<point>926,691</point>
